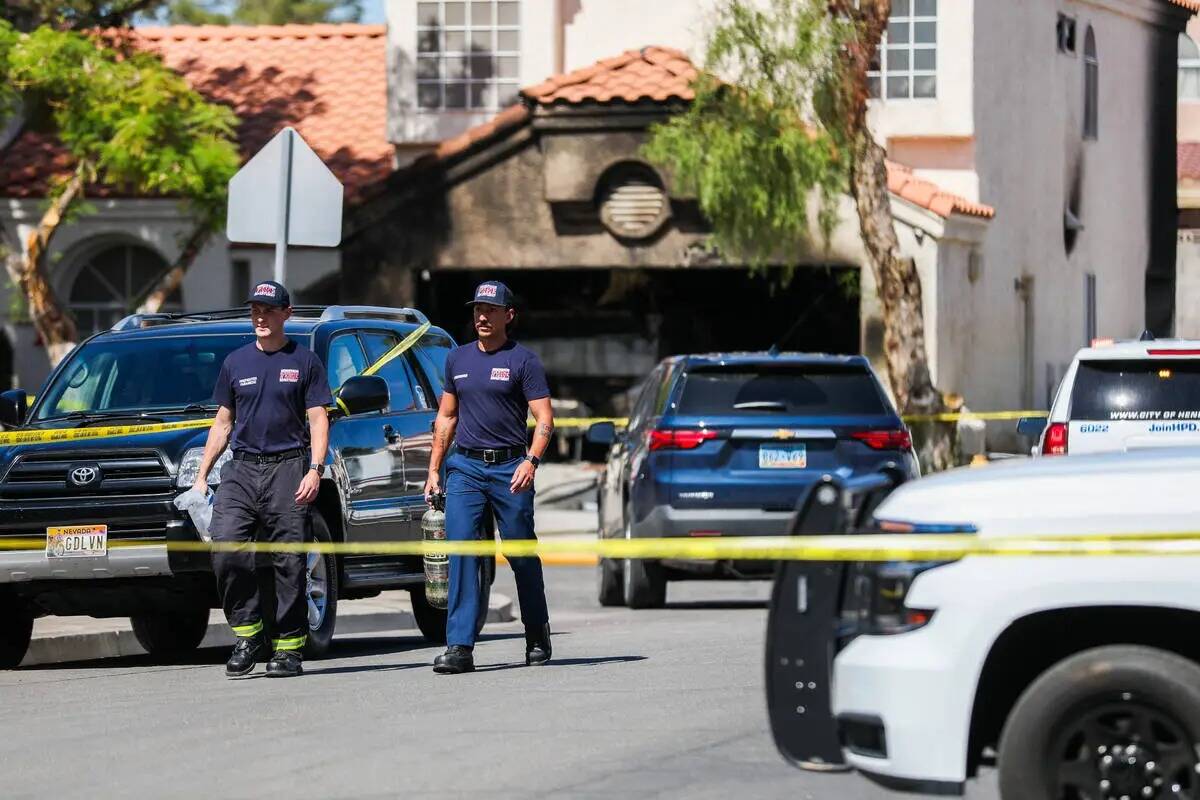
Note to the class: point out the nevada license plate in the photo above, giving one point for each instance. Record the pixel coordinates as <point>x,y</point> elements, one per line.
<point>77,541</point>
<point>788,456</point>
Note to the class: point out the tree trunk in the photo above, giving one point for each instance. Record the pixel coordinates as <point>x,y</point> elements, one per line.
<point>53,324</point>
<point>899,287</point>
<point>172,280</point>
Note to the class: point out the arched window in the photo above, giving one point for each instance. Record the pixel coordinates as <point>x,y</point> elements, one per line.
<point>1091,87</point>
<point>111,282</point>
<point>1189,68</point>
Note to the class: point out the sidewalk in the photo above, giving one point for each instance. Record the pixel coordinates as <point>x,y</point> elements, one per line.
<point>61,639</point>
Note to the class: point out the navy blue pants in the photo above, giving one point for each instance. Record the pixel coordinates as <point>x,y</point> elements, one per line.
<point>470,486</point>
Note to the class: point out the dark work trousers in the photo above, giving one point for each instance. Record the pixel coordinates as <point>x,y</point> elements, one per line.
<point>260,499</point>
<point>470,486</point>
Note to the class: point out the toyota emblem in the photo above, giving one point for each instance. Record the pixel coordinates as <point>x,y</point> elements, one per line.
<point>84,476</point>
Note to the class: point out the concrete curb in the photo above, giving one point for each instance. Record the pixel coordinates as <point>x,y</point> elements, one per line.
<point>84,639</point>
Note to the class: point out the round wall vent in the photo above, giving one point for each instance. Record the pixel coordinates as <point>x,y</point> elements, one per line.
<point>633,204</point>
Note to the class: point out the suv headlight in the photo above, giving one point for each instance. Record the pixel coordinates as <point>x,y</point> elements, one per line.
<point>189,468</point>
<point>873,602</point>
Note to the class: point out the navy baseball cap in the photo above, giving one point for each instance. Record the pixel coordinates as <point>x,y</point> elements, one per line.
<point>270,293</point>
<point>494,293</point>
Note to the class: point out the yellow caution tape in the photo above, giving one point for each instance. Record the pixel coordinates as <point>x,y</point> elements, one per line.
<point>407,343</point>
<point>99,432</point>
<point>835,547</point>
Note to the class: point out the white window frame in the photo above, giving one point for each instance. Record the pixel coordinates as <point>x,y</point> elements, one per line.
<point>1190,64</point>
<point>888,68</point>
<point>446,61</point>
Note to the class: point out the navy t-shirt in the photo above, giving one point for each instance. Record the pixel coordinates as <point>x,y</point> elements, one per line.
<point>493,391</point>
<point>269,394</point>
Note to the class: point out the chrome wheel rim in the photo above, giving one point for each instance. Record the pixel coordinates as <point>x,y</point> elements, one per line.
<point>316,584</point>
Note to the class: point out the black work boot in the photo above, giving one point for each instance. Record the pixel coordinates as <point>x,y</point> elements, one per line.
<point>457,659</point>
<point>285,664</point>
<point>537,645</point>
<point>246,653</point>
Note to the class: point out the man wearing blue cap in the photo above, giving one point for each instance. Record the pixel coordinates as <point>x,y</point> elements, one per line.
<point>491,386</point>
<point>271,396</point>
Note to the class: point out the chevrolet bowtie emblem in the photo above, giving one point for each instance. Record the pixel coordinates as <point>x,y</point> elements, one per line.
<point>783,433</point>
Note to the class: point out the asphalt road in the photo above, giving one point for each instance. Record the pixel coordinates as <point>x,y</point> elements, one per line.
<point>662,703</point>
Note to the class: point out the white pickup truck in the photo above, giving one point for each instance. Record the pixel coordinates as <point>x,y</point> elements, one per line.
<point>1078,675</point>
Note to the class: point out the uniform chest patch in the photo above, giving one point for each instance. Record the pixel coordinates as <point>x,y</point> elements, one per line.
<point>289,375</point>
<point>499,373</point>
<point>248,381</point>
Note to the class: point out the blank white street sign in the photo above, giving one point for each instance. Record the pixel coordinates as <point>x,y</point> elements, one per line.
<point>285,195</point>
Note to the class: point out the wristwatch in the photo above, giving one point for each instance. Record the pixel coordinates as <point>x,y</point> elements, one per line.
<point>320,468</point>
<point>532,459</point>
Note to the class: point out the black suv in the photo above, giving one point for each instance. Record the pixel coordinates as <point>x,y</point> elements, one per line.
<point>161,368</point>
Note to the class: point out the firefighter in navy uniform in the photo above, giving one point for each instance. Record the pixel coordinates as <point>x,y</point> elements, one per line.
<point>491,386</point>
<point>271,395</point>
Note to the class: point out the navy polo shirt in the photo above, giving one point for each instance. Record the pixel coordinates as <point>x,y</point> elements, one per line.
<point>493,391</point>
<point>269,394</point>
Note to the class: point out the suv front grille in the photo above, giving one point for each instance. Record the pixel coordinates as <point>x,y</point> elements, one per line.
<point>45,476</point>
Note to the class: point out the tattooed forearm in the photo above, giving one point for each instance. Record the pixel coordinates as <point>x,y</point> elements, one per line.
<point>545,429</point>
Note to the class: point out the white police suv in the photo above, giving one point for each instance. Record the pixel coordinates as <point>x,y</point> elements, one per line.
<point>1120,396</point>
<point>1078,675</point>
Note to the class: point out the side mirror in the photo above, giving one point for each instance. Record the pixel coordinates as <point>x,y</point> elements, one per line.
<point>363,393</point>
<point>1031,426</point>
<point>601,433</point>
<point>13,407</point>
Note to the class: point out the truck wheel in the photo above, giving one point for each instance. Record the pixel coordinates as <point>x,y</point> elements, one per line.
<point>612,586</point>
<point>432,621</point>
<point>321,592</point>
<point>16,629</point>
<point>171,634</point>
<point>1114,721</point>
<point>645,584</point>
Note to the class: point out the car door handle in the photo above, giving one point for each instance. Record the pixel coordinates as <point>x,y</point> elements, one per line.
<point>390,434</point>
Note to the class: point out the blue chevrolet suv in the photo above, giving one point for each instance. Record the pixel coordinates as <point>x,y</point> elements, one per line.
<point>726,445</point>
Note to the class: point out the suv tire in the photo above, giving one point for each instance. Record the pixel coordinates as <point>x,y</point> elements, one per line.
<point>645,583</point>
<point>611,583</point>
<point>170,634</point>
<point>16,629</point>
<point>324,565</point>
<point>1098,692</point>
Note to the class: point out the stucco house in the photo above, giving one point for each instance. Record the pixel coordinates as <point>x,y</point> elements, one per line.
<point>327,81</point>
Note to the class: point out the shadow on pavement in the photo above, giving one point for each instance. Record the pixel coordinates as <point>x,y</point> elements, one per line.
<point>564,662</point>
<point>714,605</point>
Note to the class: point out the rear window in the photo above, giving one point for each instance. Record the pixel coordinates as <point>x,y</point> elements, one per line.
<point>1136,389</point>
<point>781,390</point>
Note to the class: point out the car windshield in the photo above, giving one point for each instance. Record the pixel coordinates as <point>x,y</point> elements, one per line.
<point>803,390</point>
<point>146,374</point>
<point>1136,389</point>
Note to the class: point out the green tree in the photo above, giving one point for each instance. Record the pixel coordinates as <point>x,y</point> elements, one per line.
<point>128,122</point>
<point>770,146</point>
<point>261,12</point>
<point>27,15</point>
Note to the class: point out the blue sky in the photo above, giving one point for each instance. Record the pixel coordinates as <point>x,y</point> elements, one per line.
<point>373,13</point>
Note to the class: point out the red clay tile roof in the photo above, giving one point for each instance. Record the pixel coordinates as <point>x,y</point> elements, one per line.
<point>327,81</point>
<point>927,195</point>
<point>661,74</point>
<point>652,73</point>
<point>1187,161</point>
<point>1191,5</point>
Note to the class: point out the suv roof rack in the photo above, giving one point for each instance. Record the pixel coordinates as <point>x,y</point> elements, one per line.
<point>373,312</point>
<point>320,313</point>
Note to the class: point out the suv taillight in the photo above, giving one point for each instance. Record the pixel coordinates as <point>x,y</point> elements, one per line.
<point>1054,443</point>
<point>884,440</point>
<point>679,439</point>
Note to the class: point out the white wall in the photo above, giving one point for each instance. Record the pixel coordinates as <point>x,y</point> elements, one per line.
<point>1029,150</point>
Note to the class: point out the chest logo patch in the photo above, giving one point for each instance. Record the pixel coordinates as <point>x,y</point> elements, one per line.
<point>499,373</point>
<point>248,381</point>
<point>460,377</point>
<point>289,375</point>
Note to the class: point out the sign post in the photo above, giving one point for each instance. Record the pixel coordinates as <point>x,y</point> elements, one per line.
<point>285,195</point>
